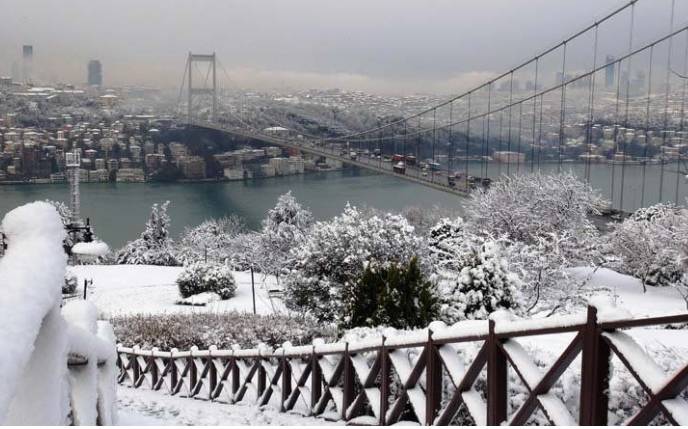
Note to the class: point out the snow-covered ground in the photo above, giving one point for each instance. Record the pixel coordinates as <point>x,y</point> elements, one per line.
<point>132,289</point>
<point>141,407</point>
<point>629,294</point>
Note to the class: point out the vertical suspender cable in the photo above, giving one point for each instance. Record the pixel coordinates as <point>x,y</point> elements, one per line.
<point>434,137</point>
<point>562,110</point>
<point>535,86</point>
<point>683,112</point>
<point>487,138</point>
<point>520,135</point>
<point>666,102</point>
<point>539,156</point>
<point>511,95</point>
<point>616,129</point>
<point>628,94</point>
<point>499,144</point>
<point>468,139</point>
<point>450,155</point>
<point>591,108</point>
<point>683,106</point>
<point>647,126</point>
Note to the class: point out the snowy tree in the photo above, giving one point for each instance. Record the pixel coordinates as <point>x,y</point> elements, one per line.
<point>244,251</point>
<point>399,296</point>
<point>650,244</point>
<point>154,246</point>
<point>483,285</point>
<point>199,277</point>
<point>333,257</point>
<point>285,226</point>
<point>525,207</point>
<point>209,241</point>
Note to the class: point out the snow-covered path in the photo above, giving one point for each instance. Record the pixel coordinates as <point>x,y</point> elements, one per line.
<point>140,407</point>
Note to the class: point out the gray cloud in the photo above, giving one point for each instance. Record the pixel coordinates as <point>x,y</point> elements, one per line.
<point>375,45</point>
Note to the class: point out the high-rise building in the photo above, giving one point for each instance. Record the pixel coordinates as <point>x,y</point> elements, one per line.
<point>95,73</point>
<point>27,63</point>
<point>609,72</point>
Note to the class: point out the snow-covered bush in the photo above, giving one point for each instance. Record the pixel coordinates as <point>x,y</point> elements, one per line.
<point>331,260</point>
<point>167,331</point>
<point>70,283</point>
<point>154,246</point>
<point>525,207</point>
<point>199,277</point>
<point>211,240</point>
<point>399,296</point>
<point>483,285</point>
<point>651,244</point>
<point>285,226</point>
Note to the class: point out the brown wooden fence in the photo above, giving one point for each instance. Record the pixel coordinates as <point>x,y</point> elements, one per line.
<point>429,379</point>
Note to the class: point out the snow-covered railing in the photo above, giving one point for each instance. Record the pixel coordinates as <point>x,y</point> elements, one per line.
<point>439,376</point>
<point>57,365</point>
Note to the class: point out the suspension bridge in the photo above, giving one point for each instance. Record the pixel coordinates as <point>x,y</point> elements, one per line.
<point>614,113</point>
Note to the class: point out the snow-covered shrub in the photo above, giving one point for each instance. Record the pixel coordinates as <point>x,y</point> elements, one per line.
<point>167,331</point>
<point>154,246</point>
<point>211,240</point>
<point>449,241</point>
<point>398,295</point>
<point>525,207</point>
<point>483,285</point>
<point>70,283</point>
<point>650,244</point>
<point>285,226</point>
<point>199,277</point>
<point>331,260</point>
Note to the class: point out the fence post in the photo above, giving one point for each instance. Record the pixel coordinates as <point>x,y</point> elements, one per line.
<point>496,380</point>
<point>212,373</point>
<point>260,382</point>
<point>384,382</point>
<point>286,381</point>
<point>235,378</point>
<point>594,399</point>
<point>153,368</point>
<point>173,373</point>
<point>193,374</point>
<point>433,391</point>
<point>135,370</point>
<point>316,381</point>
<point>348,391</point>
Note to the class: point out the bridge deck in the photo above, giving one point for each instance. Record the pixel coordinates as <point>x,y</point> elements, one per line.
<point>433,179</point>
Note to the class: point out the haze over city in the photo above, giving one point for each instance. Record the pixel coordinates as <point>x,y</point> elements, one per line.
<point>388,46</point>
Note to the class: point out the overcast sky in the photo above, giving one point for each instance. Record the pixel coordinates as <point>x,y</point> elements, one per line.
<point>385,45</point>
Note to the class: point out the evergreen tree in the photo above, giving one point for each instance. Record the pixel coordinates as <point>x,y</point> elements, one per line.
<point>398,296</point>
<point>483,285</point>
<point>154,246</point>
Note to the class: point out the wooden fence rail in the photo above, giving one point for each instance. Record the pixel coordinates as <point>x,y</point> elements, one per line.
<point>430,378</point>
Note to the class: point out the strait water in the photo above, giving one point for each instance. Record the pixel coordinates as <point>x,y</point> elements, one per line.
<point>119,211</point>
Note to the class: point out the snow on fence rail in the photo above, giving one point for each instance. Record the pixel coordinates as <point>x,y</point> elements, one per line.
<point>57,365</point>
<point>425,377</point>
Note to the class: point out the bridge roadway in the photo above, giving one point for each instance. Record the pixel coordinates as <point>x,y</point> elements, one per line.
<point>433,179</point>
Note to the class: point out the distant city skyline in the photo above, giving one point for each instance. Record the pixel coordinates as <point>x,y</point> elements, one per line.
<point>382,46</point>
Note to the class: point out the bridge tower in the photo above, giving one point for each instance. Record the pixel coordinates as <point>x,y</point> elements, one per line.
<point>207,59</point>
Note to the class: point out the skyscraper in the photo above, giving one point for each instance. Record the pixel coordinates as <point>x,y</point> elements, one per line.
<point>609,71</point>
<point>95,73</point>
<point>27,63</point>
